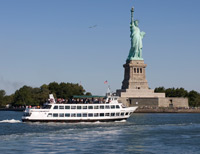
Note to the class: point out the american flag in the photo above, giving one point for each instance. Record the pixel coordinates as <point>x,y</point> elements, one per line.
<point>105,82</point>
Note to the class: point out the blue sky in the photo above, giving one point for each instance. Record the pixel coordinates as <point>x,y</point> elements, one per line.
<point>42,41</point>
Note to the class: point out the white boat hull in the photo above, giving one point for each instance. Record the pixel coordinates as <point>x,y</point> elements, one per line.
<point>39,115</point>
<point>82,112</point>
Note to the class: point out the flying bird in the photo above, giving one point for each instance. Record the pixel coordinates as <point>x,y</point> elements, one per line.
<point>93,26</point>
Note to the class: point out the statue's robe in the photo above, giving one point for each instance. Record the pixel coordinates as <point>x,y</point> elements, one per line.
<point>136,44</point>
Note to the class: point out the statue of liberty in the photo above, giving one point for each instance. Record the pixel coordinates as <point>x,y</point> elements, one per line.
<point>135,52</point>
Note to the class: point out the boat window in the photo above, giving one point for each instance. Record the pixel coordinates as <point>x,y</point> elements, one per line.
<point>67,107</point>
<point>67,115</point>
<point>117,107</point>
<point>117,114</point>
<point>107,107</point>
<point>101,106</point>
<point>73,114</point>
<point>61,114</point>
<point>73,107</point>
<point>101,114</point>
<point>84,107</point>
<point>84,114</point>
<point>55,107</point>
<point>55,115</point>
<point>47,107</point>
<point>78,114</point>
<point>115,98</point>
<point>90,107</point>
<point>90,115</point>
<point>112,106</point>
<point>49,115</point>
<point>96,114</point>
<point>130,113</point>
<point>126,113</point>
<point>112,114</point>
<point>107,114</point>
<point>122,114</point>
<point>61,107</point>
<point>79,107</point>
<point>96,107</point>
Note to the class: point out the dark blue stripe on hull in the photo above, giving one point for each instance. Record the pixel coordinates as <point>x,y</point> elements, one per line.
<point>74,121</point>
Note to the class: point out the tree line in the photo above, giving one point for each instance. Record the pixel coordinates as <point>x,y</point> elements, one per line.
<point>28,95</point>
<point>193,96</point>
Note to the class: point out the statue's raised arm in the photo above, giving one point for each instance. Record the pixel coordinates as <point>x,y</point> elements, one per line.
<point>132,18</point>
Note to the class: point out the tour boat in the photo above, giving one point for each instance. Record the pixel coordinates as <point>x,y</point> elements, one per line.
<point>110,110</point>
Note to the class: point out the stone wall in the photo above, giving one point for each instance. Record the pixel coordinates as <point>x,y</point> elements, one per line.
<point>155,102</point>
<point>143,102</point>
<point>173,102</point>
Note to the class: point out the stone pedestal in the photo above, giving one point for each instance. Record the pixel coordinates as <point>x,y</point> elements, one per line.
<point>134,75</point>
<point>135,84</point>
<point>135,90</point>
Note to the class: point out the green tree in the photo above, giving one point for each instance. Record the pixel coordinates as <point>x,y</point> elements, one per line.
<point>159,90</point>
<point>8,100</point>
<point>26,96</point>
<point>53,87</point>
<point>44,94</point>
<point>67,90</point>
<point>2,95</point>
<point>194,98</point>
<point>170,92</point>
<point>88,94</point>
<point>181,92</point>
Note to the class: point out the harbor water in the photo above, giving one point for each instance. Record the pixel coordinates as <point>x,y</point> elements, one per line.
<point>141,133</point>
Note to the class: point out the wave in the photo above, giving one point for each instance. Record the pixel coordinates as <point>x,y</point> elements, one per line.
<point>121,121</point>
<point>10,121</point>
<point>97,122</point>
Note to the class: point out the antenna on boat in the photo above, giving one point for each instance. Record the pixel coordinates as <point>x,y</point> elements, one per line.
<point>108,91</point>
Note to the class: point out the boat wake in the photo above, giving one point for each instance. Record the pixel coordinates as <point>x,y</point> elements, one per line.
<point>10,121</point>
<point>121,121</point>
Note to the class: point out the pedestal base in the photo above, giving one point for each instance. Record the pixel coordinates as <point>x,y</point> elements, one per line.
<point>139,93</point>
<point>134,75</point>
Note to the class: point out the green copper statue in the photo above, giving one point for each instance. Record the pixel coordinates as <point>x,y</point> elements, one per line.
<point>135,52</point>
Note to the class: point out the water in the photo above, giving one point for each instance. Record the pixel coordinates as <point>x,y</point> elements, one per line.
<point>142,133</point>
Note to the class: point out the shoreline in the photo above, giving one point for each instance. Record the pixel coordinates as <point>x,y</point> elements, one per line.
<point>7,109</point>
<point>167,110</point>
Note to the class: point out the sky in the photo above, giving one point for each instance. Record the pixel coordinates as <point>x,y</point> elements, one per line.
<point>88,41</point>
